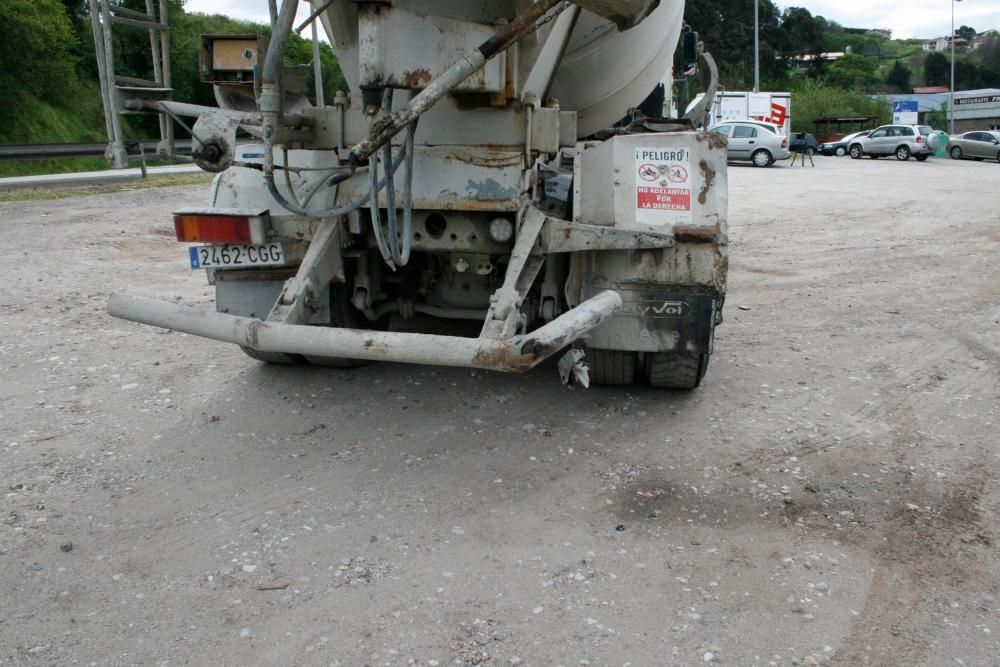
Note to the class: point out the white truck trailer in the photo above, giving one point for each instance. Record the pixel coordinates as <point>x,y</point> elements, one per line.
<point>774,108</point>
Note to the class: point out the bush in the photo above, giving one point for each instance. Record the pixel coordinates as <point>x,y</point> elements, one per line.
<point>812,100</point>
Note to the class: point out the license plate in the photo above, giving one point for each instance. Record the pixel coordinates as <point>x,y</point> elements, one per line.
<point>236,256</point>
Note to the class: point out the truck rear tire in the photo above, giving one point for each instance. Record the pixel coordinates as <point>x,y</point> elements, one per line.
<point>272,357</point>
<point>611,367</point>
<point>675,370</point>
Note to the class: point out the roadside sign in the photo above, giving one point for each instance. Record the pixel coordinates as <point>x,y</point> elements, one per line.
<point>904,112</point>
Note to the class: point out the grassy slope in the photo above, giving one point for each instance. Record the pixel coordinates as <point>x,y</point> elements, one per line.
<point>34,121</point>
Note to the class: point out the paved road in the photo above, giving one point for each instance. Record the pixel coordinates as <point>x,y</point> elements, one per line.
<point>827,496</point>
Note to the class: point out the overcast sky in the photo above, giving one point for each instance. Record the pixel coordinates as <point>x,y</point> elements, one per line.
<point>906,18</point>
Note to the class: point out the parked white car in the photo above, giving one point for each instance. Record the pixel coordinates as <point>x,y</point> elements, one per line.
<point>756,141</point>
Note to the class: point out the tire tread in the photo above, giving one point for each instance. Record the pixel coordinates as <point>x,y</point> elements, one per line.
<point>611,367</point>
<point>675,370</point>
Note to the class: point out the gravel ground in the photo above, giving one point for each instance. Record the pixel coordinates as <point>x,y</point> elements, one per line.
<point>827,497</point>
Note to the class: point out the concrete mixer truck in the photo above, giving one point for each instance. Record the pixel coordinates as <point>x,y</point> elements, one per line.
<point>484,196</point>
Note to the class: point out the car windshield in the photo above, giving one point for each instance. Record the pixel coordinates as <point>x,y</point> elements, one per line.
<point>926,129</point>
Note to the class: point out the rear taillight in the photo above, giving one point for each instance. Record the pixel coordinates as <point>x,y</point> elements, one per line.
<point>215,226</point>
<point>784,142</point>
<point>920,139</point>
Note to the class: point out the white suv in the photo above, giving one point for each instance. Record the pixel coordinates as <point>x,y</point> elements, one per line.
<point>899,140</point>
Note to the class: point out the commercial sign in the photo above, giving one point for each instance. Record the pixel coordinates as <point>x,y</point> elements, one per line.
<point>984,99</point>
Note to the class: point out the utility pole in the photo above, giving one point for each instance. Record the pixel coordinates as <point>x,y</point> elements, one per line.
<point>756,45</point>
<point>951,93</point>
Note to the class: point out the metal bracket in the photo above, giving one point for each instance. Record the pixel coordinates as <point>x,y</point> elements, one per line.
<point>504,316</point>
<point>322,263</point>
<point>564,236</point>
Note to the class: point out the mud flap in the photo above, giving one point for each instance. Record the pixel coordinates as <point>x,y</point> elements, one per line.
<point>659,318</point>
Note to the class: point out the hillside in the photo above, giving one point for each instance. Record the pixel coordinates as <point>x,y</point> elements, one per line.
<point>50,73</point>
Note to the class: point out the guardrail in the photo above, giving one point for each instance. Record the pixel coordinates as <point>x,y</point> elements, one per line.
<point>56,151</point>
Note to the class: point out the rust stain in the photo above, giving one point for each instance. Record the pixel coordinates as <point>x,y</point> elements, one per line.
<point>505,358</point>
<point>417,78</point>
<point>709,174</point>
<point>253,333</point>
<point>714,139</point>
<point>494,156</point>
<point>694,233</point>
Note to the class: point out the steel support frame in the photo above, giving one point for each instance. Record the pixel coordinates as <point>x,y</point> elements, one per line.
<point>322,264</point>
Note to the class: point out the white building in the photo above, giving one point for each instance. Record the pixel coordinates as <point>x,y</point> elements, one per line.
<point>942,44</point>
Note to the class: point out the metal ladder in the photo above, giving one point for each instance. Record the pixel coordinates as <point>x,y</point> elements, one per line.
<point>117,92</point>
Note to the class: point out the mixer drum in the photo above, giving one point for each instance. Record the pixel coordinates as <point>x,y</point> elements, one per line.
<point>604,71</point>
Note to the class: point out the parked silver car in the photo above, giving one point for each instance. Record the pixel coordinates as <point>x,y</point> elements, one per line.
<point>753,141</point>
<point>899,140</point>
<point>976,145</point>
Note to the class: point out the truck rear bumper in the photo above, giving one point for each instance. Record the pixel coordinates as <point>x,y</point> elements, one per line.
<point>515,354</point>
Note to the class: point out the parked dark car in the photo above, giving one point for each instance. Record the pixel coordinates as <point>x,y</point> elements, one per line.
<point>842,145</point>
<point>803,142</point>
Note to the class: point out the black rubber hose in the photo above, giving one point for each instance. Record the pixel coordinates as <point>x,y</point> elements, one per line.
<point>349,207</point>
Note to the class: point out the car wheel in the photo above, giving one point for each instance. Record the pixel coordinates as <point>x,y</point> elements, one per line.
<point>761,158</point>
<point>841,151</point>
<point>921,158</point>
<point>856,152</point>
<point>956,152</point>
<point>810,151</point>
<point>903,153</point>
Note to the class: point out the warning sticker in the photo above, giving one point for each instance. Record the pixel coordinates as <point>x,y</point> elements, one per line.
<point>662,186</point>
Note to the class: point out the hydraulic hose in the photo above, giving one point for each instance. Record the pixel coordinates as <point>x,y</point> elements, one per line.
<point>373,191</point>
<point>349,207</point>
<point>390,195</point>
<point>404,254</point>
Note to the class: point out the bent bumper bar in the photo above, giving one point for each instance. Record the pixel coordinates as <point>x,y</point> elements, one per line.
<point>516,354</point>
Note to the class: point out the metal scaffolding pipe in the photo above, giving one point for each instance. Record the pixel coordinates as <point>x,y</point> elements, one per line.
<point>515,354</point>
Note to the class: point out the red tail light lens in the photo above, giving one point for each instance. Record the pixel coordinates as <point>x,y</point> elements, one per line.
<point>214,226</point>
<point>920,139</point>
<point>784,142</point>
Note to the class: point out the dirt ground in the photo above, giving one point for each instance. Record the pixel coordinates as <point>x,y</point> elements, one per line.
<point>828,496</point>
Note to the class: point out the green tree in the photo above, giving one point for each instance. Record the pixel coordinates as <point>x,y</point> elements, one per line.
<point>936,69</point>
<point>899,77</point>
<point>967,75</point>
<point>852,71</point>
<point>938,118</point>
<point>36,51</point>
<point>989,62</point>
<point>726,28</point>
<point>966,33</point>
